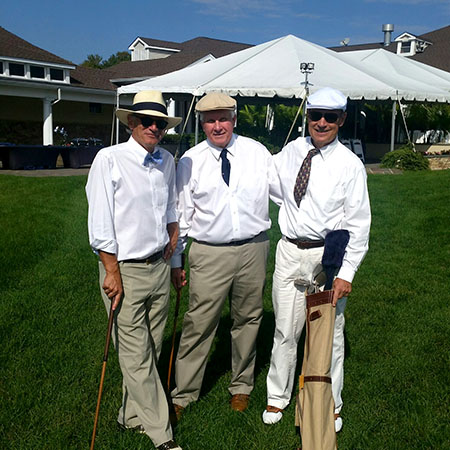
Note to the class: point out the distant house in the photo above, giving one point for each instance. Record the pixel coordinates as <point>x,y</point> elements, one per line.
<point>40,91</point>
<point>431,48</point>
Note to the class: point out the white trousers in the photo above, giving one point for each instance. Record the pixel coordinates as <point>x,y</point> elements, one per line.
<point>295,270</point>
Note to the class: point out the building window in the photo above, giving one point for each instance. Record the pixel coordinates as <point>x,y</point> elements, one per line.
<point>57,74</point>
<point>406,47</point>
<point>17,70</point>
<point>95,108</point>
<point>37,72</point>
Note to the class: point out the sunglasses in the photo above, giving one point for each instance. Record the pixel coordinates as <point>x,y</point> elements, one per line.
<point>147,121</point>
<point>330,117</point>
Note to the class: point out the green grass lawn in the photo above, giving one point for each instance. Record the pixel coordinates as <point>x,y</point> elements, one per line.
<point>53,325</point>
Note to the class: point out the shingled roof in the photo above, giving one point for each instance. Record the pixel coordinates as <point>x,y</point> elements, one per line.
<point>190,52</point>
<point>437,54</point>
<point>92,78</point>
<point>13,46</point>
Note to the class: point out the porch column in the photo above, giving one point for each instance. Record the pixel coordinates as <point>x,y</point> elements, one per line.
<point>171,113</point>
<point>48,122</point>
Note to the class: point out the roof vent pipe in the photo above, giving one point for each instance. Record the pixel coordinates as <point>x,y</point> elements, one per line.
<point>387,28</point>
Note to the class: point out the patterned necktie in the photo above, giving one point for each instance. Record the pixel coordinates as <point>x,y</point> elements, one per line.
<point>301,183</point>
<point>153,158</point>
<point>225,166</point>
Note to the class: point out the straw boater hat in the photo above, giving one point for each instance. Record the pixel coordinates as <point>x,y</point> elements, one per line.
<point>148,103</point>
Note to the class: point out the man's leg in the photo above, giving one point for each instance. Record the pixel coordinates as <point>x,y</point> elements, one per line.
<point>246,313</point>
<point>337,359</point>
<point>211,276</point>
<point>144,398</point>
<point>294,269</point>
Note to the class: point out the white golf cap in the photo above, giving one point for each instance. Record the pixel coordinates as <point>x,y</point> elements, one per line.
<point>327,98</point>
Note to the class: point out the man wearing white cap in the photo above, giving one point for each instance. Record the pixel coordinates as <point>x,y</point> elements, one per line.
<point>324,189</point>
<point>223,187</point>
<point>133,228</point>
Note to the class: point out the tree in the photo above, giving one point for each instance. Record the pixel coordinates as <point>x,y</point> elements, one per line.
<point>116,59</point>
<point>97,61</point>
<point>93,61</point>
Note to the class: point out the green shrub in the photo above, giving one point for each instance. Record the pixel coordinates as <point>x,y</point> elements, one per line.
<point>406,159</point>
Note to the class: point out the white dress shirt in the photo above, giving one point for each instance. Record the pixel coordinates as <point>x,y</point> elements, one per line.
<point>131,201</point>
<point>212,212</point>
<point>336,198</point>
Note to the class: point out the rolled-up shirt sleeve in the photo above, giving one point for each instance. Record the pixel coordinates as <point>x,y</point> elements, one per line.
<point>357,222</point>
<point>100,195</point>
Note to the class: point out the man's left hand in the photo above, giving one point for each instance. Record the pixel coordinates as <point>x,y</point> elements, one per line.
<point>172,229</point>
<point>341,289</point>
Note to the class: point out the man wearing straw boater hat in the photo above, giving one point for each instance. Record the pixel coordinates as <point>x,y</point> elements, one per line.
<point>223,187</point>
<point>324,189</point>
<point>133,228</point>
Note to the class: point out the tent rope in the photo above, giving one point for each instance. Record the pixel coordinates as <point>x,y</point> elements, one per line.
<point>295,120</point>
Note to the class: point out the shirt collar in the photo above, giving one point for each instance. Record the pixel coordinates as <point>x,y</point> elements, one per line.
<point>326,150</point>
<point>217,150</point>
<point>140,152</point>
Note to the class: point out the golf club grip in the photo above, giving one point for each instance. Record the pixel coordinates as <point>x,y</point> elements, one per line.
<point>108,333</point>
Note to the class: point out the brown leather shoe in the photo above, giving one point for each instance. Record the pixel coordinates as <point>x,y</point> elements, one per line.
<point>178,410</point>
<point>239,402</point>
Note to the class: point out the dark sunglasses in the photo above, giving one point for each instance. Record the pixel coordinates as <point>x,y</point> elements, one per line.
<point>147,121</point>
<point>330,117</point>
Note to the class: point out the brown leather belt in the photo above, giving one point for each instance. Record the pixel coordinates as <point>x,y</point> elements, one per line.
<point>232,243</point>
<point>317,379</point>
<point>149,260</point>
<point>302,244</point>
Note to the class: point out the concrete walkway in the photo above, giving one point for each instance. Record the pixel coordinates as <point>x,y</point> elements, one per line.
<point>61,172</point>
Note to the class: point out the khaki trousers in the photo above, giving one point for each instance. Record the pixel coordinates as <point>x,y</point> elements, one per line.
<point>137,335</point>
<point>315,405</point>
<point>216,272</point>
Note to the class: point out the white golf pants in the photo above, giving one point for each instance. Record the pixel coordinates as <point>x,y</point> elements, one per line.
<point>295,270</point>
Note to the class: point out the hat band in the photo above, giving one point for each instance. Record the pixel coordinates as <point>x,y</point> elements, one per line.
<point>149,105</point>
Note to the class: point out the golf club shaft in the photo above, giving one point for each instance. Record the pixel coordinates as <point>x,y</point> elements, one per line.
<point>177,307</point>
<point>105,359</point>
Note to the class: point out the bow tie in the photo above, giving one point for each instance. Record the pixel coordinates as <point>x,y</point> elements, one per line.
<point>153,158</point>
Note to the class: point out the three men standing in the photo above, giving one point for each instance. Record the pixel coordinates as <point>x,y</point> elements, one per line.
<point>223,186</point>
<point>133,228</point>
<point>328,193</point>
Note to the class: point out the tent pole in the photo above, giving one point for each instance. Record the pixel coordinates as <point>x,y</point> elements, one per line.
<point>394,111</point>
<point>196,128</point>
<point>117,120</point>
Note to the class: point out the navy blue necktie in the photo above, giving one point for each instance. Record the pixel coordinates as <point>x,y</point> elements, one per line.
<point>225,166</point>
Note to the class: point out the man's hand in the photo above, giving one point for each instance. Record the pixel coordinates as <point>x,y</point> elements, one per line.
<point>172,229</point>
<point>112,284</point>
<point>178,276</point>
<point>341,289</point>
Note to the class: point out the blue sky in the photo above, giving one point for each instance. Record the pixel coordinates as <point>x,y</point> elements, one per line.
<point>73,29</point>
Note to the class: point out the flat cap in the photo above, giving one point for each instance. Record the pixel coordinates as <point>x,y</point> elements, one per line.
<point>327,98</point>
<point>214,101</point>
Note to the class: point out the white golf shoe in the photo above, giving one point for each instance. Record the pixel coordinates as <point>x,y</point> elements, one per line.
<point>272,415</point>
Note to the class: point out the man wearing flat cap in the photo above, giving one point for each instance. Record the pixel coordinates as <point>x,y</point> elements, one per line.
<point>323,189</point>
<point>133,228</point>
<point>223,187</point>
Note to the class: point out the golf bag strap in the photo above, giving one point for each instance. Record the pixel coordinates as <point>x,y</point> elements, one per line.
<point>317,379</point>
<point>321,298</point>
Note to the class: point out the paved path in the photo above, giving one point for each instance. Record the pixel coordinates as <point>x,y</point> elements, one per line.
<point>61,172</point>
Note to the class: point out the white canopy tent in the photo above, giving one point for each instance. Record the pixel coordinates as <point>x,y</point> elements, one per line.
<point>272,69</point>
